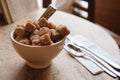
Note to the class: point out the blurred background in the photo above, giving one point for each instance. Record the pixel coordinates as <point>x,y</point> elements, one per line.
<point>101,12</point>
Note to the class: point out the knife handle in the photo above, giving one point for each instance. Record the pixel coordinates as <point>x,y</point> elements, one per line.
<point>101,61</point>
<point>110,62</point>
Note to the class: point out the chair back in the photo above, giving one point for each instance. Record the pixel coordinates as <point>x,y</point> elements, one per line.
<point>84,9</point>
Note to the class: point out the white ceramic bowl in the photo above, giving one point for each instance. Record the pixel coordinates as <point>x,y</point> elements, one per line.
<point>37,56</point>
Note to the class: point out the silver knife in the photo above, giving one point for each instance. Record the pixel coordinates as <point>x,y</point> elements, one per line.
<point>90,52</point>
<point>98,64</point>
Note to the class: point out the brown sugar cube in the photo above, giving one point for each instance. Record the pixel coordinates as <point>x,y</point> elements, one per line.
<point>51,25</point>
<point>36,24</point>
<point>20,30</point>
<point>18,38</point>
<point>25,41</point>
<point>62,29</point>
<point>32,37</point>
<point>30,27</point>
<point>43,22</point>
<point>27,34</point>
<point>45,40</point>
<point>55,36</point>
<point>44,30</point>
<point>36,42</point>
<point>36,32</point>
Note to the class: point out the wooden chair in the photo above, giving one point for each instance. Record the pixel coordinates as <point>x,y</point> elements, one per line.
<point>84,9</point>
<point>46,3</point>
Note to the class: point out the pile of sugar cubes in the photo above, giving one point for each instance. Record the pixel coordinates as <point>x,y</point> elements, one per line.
<point>40,33</point>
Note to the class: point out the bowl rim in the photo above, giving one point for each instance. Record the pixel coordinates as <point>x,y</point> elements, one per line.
<point>12,38</point>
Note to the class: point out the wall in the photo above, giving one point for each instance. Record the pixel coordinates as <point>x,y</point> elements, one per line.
<point>107,13</point>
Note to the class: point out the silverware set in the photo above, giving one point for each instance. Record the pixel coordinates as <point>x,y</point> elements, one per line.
<point>78,49</point>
